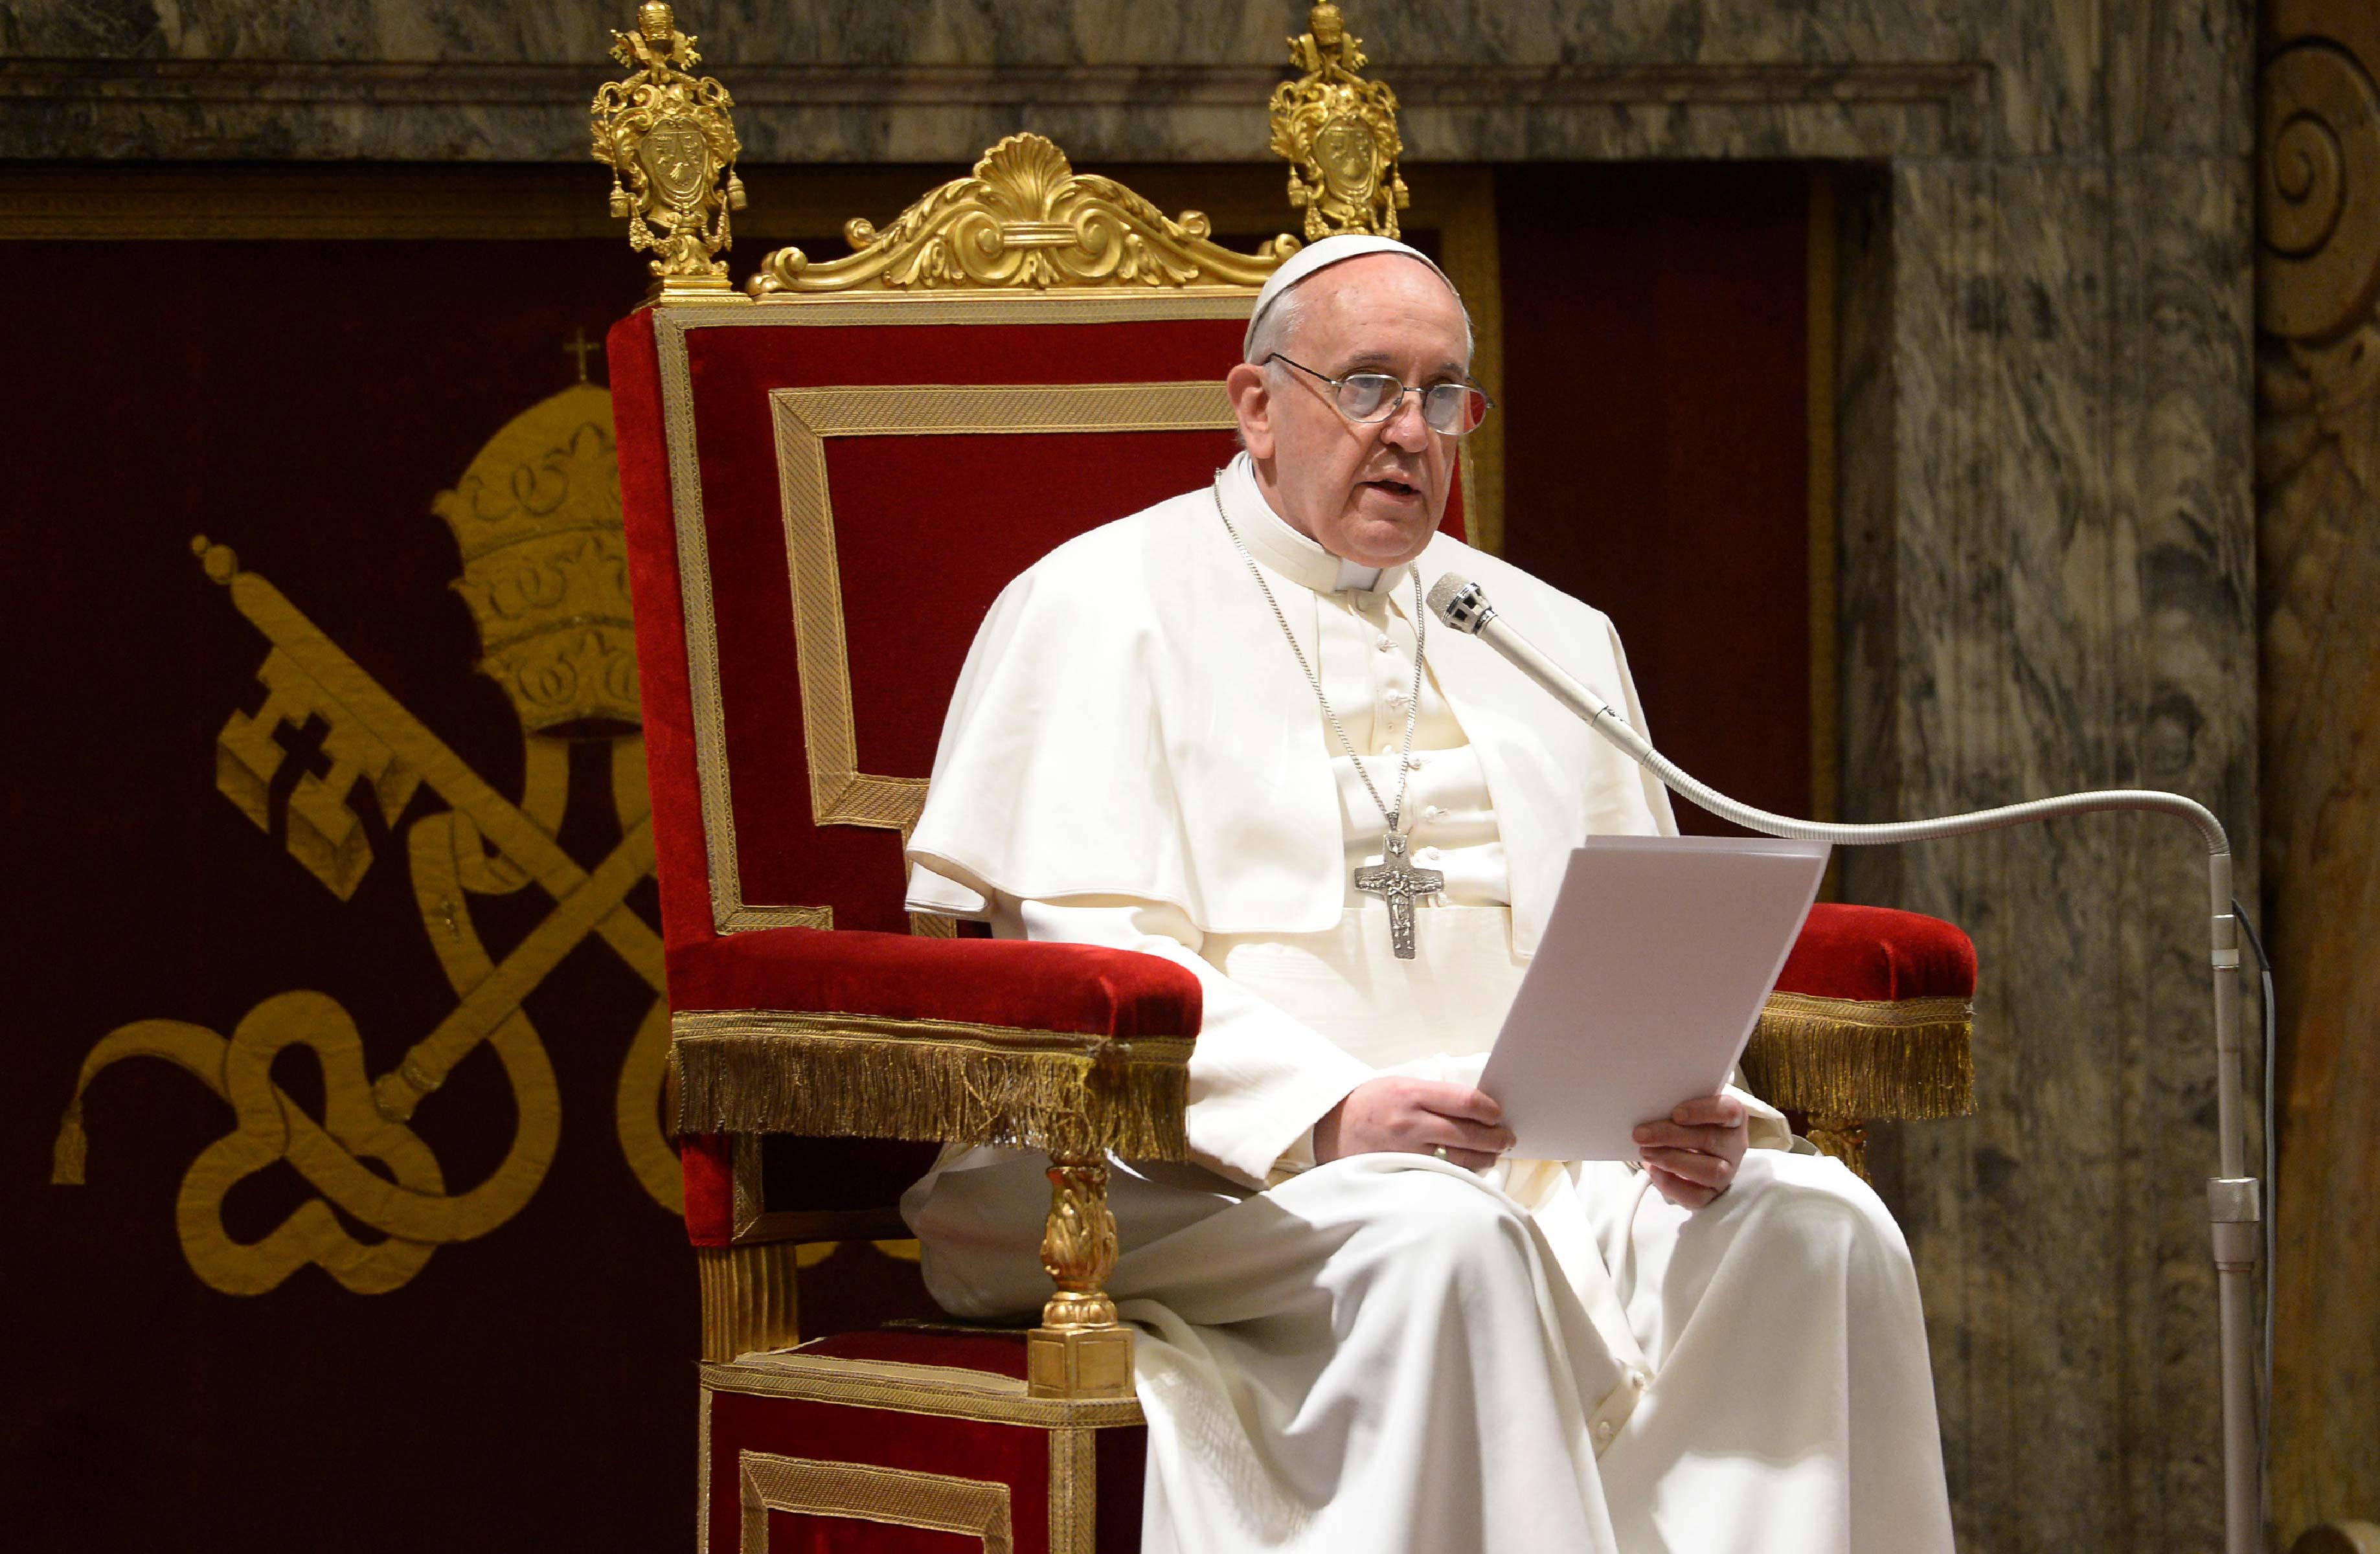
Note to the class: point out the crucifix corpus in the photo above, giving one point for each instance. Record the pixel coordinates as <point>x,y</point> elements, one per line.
<point>1397,881</point>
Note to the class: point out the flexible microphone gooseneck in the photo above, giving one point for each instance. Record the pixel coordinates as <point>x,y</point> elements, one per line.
<point>2234,1207</point>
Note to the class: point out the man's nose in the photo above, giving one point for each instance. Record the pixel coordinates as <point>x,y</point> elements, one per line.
<point>1405,428</point>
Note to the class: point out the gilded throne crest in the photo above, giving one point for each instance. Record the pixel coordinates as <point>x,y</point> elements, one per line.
<point>1338,133</point>
<point>671,148</point>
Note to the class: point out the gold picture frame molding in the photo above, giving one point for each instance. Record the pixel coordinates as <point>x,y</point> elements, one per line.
<point>937,1502</point>
<point>840,792</point>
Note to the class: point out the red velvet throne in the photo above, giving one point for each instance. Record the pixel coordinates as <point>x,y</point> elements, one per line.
<point>825,481</point>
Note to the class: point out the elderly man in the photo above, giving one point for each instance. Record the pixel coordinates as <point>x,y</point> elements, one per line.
<point>1364,1327</point>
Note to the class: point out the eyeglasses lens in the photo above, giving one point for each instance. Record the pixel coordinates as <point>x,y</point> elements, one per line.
<point>1367,395</point>
<point>1452,408</point>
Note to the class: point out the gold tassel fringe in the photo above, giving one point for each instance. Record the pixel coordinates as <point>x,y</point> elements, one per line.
<point>1838,1057</point>
<point>861,1077</point>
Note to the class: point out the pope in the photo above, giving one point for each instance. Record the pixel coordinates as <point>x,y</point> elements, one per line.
<point>1222,730</point>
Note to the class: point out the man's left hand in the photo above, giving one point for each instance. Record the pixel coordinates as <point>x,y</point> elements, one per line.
<point>1692,1157</point>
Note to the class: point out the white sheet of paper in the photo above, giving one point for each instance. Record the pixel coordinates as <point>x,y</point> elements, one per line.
<point>1646,985</point>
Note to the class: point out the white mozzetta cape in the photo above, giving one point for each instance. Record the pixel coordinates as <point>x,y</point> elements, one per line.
<point>1130,724</point>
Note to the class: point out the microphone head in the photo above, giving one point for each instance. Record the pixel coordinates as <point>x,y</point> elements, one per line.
<point>1460,603</point>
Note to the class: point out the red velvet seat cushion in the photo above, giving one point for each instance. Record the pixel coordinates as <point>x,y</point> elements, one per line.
<point>1076,988</point>
<point>1879,954</point>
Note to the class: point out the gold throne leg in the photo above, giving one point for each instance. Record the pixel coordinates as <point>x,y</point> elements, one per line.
<point>1080,1350</point>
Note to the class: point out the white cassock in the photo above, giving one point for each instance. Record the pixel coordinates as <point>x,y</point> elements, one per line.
<point>1389,1352</point>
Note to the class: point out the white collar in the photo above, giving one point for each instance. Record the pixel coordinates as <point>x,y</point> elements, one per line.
<point>1274,542</point>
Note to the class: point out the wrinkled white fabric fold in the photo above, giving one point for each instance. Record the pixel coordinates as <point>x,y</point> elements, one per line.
<point>1387,1353</point>
<point>1390,1353</point>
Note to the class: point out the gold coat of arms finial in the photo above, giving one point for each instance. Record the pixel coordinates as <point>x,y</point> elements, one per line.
<point>1338,132</point>
<point>671,145</point>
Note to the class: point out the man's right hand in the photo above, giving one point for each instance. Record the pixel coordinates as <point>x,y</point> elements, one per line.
<point>1414,1117</point>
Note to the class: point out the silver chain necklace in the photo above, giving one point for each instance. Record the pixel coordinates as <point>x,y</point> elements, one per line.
<point>1394,879</point>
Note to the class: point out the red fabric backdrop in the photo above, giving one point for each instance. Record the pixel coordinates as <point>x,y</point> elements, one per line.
<point>1656,464</point>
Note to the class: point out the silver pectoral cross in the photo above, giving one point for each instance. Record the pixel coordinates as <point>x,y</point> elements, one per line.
<point>1397,881</point>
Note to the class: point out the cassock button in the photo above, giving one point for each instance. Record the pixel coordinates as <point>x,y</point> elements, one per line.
<point>1434,812</point>
<point>1603,1431</point>
<point>1639,1380</point>
<point>1384,644</point>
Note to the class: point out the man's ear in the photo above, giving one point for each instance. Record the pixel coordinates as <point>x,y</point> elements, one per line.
<point>1252,402</point>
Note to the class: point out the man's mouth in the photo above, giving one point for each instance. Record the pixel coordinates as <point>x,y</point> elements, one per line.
<point>1402,490</point>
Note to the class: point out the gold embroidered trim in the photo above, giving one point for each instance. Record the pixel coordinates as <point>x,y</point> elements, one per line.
<point>945,1392</point>
<point>1073,1492</point>
<point>730,911</point>
<point>901,1497</point>
<point>872,1076</point>
<point>702,1471</point>
<point>1120,305</point>
<point>840,792</point>
<point>1850,1058</point>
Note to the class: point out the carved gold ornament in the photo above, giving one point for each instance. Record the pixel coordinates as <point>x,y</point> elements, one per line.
<point>1026,219</point>
<point>1338,132</point>
<point>1078,1245</point>
<point>1080,1350</point>
<point>535,528</point>
<point>671,145</point>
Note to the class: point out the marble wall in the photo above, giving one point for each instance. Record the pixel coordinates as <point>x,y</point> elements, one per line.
<point>2049,541</point>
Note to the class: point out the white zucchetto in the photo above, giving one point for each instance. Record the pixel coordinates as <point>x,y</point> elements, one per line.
<point>1321,256</point>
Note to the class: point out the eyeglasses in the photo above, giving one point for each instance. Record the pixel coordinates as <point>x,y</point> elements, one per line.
<point>1372,396</point>
<point>1453,409</point>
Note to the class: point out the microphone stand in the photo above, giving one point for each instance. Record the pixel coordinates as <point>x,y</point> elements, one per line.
<point>2234,1207</point>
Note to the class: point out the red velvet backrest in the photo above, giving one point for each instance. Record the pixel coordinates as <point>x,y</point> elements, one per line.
<point>932,499</point>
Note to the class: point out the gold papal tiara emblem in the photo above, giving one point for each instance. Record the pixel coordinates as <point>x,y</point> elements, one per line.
<point>545,570</point>
<point>1338,132</point>
<point>671,145</point>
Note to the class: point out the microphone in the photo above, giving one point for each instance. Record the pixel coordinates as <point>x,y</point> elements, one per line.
<point>1462,605</point>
